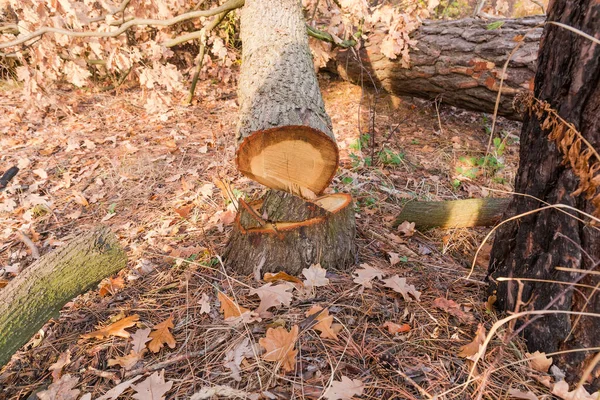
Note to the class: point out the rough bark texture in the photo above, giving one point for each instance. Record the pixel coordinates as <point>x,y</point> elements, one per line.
<point>293,246</point>
<point>284,134</point>
<point>280,206</point>
<point>458,61</point>
<point>453,214</point>
<point>568,77</point>
<point>39,292</point>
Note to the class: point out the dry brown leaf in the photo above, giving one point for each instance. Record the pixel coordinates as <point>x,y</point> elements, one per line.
<point>111,286</point>
<point>345,389</point>
<point>279,347</point>
<point>204,304</point>
<point>184,211</point>
<point>230,308</point>
<point>153,388</point>
<point>406,228</point>
<point>115,392</point>
<point>139,339</point>
<point>561,389</point>
<point>41,173</point>
<point>471,349</point>
<point>281,276</point>
<point>538,361</point>
<point>234,357</point>
<point>328,331</point>
<point>63,360</point>
<point>517,394</point>
<point>365,275</point>
<point>115,329</point>
<point>489,304</point>
<point>453,308</point>
<point>80,199</point>
<point>399,285</point>
<point>161,336</point>
<point>61,389</point>
<point>272,296</point>
<point>394,328</point>
<point>128,361</point>
<point>315,276</point>
<point>394,258</point>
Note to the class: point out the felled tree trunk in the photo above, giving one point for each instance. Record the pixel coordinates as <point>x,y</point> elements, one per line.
<point>568,76</point>
<point>285,142</point>
<point>458,61</point>
<point>39,292</point>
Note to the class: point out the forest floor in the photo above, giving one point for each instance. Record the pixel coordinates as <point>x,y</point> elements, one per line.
<point>161,184</point>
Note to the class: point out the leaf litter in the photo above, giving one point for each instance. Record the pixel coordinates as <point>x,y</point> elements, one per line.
<point>151,180</point>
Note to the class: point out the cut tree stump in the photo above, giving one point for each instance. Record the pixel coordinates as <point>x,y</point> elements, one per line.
<point>327,239</point>
<point>40,291</point>
<point>459,62</point>
<point>453,214</point>
<point>285,142</point>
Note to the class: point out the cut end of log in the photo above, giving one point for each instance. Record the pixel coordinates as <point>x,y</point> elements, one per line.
<point>291,158</point>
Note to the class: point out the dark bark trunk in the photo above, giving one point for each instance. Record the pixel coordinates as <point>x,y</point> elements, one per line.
<point>458,61</point>
<point>568,77</point>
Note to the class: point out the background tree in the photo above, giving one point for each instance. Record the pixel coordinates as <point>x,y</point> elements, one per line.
<point>559,164</point>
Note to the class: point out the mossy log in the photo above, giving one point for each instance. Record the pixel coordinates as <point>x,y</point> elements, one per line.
<point>453,214</point>
<point>40,291</point>
<point>327,239</point>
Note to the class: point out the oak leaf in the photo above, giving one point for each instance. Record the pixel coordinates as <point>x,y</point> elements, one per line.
<point>128,361</point>
<point>230,308</point>
<point>204,304</point>
<point>280,276</point>
<point>539,361</point>
<point>63,360</point>
<point>139,339</point>
<point>406,228</point>
<point>61,389</point>
<point>111,285</point>
<point>365,275</point>
<point>315,276</point>
<point>161,336</point>
<point>234,357</point>
<point>399,285</point>
<point>272,296</point>
<point>471,350</point>
<point>153,388</point>
<point>394,328</point>
<point>344,389</point>
<point>115,329</point>
<point>115,392</point>
<point>452,307</point>
<point>279,346</point>
<point>328,331</point>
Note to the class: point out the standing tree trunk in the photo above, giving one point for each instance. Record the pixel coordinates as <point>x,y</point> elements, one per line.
<point>458,61</point>
<point>568,78</point>
<point>285,142</point>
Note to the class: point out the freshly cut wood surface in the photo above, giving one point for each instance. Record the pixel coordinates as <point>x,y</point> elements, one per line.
<point>293,246</point>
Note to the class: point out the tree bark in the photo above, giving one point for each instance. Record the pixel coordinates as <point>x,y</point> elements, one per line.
<point>568,78</point>
<point>285,139</point>
<point>39,292</point>
<point>453,214</point>
<point>459,61</point>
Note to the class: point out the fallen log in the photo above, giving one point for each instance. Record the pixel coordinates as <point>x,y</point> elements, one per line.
<point>453,214</point>
<point>460,62</point>
<point>285,142</point>
<point>40,291</point>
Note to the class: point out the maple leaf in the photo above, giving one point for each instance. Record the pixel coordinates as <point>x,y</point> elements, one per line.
<point>127,361</point>
<point>279,346</point>
<point>111,285</point>
<point>280,276</point>
<point>272,296</point>
<point>161,336</point>
<point>538,361</point>
<point>399,285</point>
<point>472,349</point>
<point>344,389</point>
<point>315,276</point>
<point>328,331</point>
<point>139,339</point>
<point>453,308</point>
<point>61,389</point>
<point>230,308</point>
<point>365,275</point>
<point>204,304</point>
<point>153,388</point>
<point>234,357</point>
<point>115,329</point>
<point>115,392</point>
<point>394,328</point>
<point>63,360</point>
<point>406,228</point>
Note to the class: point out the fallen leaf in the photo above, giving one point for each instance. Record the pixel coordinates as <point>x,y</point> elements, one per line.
<point>517,394</point>
<point>115,392</point>
<point>561,389</point>
<point>406,228</point>
<point>328,331</point>
<point>80,199</point>
<point>365,275</point>
<point>111,285</point>
<point>399,285</point>
<point>41,173</point>
<point>227,217</point>
<point>234,357</point>
<point>230,308</point>
<point>471,349</point>
<point>128,361</point>
<point>279,346</point>
<point>139,339</point>
<point>344,389</point>
<point>153,388</point>
<point>115,329</point>
<point>395,258</point>
<point>225,392</point>
<point>63,360</point>
<point>204,304</point>
<point>315,276</point>
<point>489,304</point>
<point>161,336</point>
<point>281,276</point>
<point>61,389</point>
<point>539,362</point>
<point>394,328</point>
<point>184,211</point>
<point>452,307</point>
<point>272,296</point>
